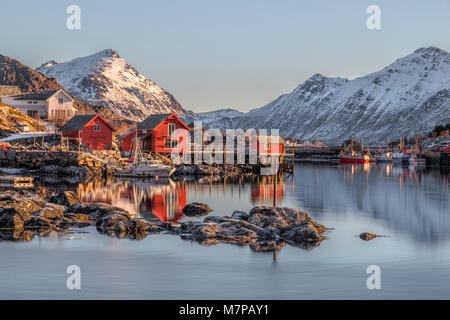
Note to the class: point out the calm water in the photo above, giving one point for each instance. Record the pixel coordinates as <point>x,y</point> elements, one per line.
<point>411,206</point>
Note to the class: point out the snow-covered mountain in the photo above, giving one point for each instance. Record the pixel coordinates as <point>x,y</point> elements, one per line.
<point>219,119</point>
<point>408,97</point>
<point>106,79</point>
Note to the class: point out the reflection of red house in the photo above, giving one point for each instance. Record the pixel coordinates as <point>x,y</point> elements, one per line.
<point>156,133</point>
<point>91,129</point>
<point>263,193</point>
<point>169,206</point>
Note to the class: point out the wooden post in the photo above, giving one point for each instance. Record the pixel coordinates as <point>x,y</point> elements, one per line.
<point>275,189</point>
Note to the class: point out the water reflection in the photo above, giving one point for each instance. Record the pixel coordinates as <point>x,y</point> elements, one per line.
<point>165,199</point>
<point>414,200</point>
<point>162,199</point>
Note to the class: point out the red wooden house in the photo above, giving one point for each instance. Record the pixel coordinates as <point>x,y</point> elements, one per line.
<point>91,129</point>
<point>156,134</point>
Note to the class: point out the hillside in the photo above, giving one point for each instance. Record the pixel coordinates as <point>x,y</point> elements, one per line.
<point>10,117</point>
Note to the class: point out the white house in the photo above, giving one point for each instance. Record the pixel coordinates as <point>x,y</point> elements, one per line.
<point>52,105</point>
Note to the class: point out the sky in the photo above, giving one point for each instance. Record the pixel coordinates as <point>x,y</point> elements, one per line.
<point>239,54</point>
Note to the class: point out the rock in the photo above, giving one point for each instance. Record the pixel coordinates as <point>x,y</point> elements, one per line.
<point>66,198</point>
<point>78,217</point>
<point>11,155</point>
<point>196,209</point>
<point>264,229</point>
<point>121,228</point>
<point>215,219</point>
<point>111,219</point>
<point>199,231</point>
<point>304,234</point>
<point>16,235</point>
<point>368,236</point>
<point>95,209</point>
<point>239,215</point>
<point>13,219</point>
<point>277,217</point>
<point>51,211</point>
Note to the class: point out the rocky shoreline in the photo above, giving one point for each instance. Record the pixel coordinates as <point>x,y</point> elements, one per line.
<point>26,214</point>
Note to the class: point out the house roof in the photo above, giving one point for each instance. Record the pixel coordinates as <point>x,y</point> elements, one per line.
<point>125,134</point>
<point>41,96</point>
<point>78,122</point>
<point>152,121</point>
<point>155,119</point>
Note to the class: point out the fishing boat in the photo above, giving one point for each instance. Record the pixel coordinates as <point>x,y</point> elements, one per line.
<point>353,157</point>
<point>384,158</point>
<point>417,161</point>
<point>400,158</point>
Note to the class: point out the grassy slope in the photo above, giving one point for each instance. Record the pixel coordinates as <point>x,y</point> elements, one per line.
<point>10,116</point>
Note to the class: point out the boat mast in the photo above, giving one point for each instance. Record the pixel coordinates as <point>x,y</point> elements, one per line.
<point>135,145</point>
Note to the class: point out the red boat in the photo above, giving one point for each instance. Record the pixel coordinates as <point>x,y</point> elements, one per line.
<point>354,158</point>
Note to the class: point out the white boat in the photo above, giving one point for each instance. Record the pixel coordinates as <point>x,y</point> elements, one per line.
<point>141,167</point>
<point>416,160</point>
<point>151,168</point>
<point>400,158</point>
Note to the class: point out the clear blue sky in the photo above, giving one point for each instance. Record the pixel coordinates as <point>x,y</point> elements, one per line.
<point>231,53</point>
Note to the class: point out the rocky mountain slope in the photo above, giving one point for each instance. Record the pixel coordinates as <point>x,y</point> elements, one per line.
<point>410,96</point>
<point>10,117</point>
<point>106,79</point>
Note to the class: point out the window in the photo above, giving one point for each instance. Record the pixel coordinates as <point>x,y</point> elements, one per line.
<point>171,129</point>
<point>171,143</point>
<point>97,128</point>
<point>60,100</point>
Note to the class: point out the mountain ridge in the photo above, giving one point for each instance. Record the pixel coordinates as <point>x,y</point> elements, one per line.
<point>408,97</point>
<point>109,80</point>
